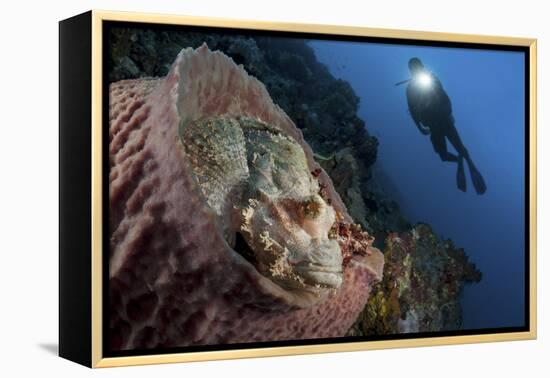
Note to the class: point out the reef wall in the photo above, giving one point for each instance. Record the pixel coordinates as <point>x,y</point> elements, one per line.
<point>324,108</point>
<point>420,290</point>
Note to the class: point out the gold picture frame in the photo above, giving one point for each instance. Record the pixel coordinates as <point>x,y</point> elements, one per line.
<point>89,266</point>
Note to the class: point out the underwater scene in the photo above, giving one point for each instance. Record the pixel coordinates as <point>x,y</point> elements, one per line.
<point>270,187</point>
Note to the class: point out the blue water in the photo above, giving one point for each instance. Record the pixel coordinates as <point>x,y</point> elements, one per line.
<point>487,92</point>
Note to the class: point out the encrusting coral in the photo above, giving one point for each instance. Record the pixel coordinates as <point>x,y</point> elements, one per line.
<point>226,251</point>
<point>423,277</point>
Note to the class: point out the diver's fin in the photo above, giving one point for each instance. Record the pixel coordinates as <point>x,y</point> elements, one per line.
<point>477,178</point>
<point>460,176</point>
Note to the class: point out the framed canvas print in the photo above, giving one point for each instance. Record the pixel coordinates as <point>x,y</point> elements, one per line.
<point>234,189</point>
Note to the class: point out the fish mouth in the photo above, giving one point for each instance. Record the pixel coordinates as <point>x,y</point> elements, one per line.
<point>307,274</point>
<point>324,276</point>
<point>310,266</point>
<point>322,266</point>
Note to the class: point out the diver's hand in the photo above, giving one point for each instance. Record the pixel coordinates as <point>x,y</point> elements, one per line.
<point>423,129</point>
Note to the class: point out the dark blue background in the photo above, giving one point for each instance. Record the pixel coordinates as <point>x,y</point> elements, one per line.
<point>486,88</point>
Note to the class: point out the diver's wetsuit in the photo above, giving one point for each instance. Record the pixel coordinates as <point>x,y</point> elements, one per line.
<point>432,112</point>
<point>432,107</point>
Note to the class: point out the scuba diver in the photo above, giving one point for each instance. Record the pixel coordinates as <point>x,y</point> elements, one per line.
<point>431,111</point>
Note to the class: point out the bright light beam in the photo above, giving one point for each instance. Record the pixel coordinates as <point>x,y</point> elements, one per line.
<point>424,79</point>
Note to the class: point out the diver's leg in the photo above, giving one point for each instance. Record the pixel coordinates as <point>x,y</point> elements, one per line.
<point>440,146</point>
<point>454,138</point>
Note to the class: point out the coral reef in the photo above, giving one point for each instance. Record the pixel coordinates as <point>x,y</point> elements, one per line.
<point>423,277</point>
<point>325,111</point>
<point>174,278</point>
<point>324,108</point>
<point>341,167</point>
<point>365,200</point>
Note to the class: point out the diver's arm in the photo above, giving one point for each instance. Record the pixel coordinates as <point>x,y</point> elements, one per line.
<point>413,110</point>
<point>423,129</point>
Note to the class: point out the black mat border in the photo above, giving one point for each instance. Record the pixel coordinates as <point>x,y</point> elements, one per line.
<point>106,27</point>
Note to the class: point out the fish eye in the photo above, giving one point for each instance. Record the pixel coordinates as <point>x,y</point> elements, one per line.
<point>313,207</point>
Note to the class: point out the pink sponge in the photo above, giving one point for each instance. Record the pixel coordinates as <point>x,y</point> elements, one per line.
<point>173,279</point>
